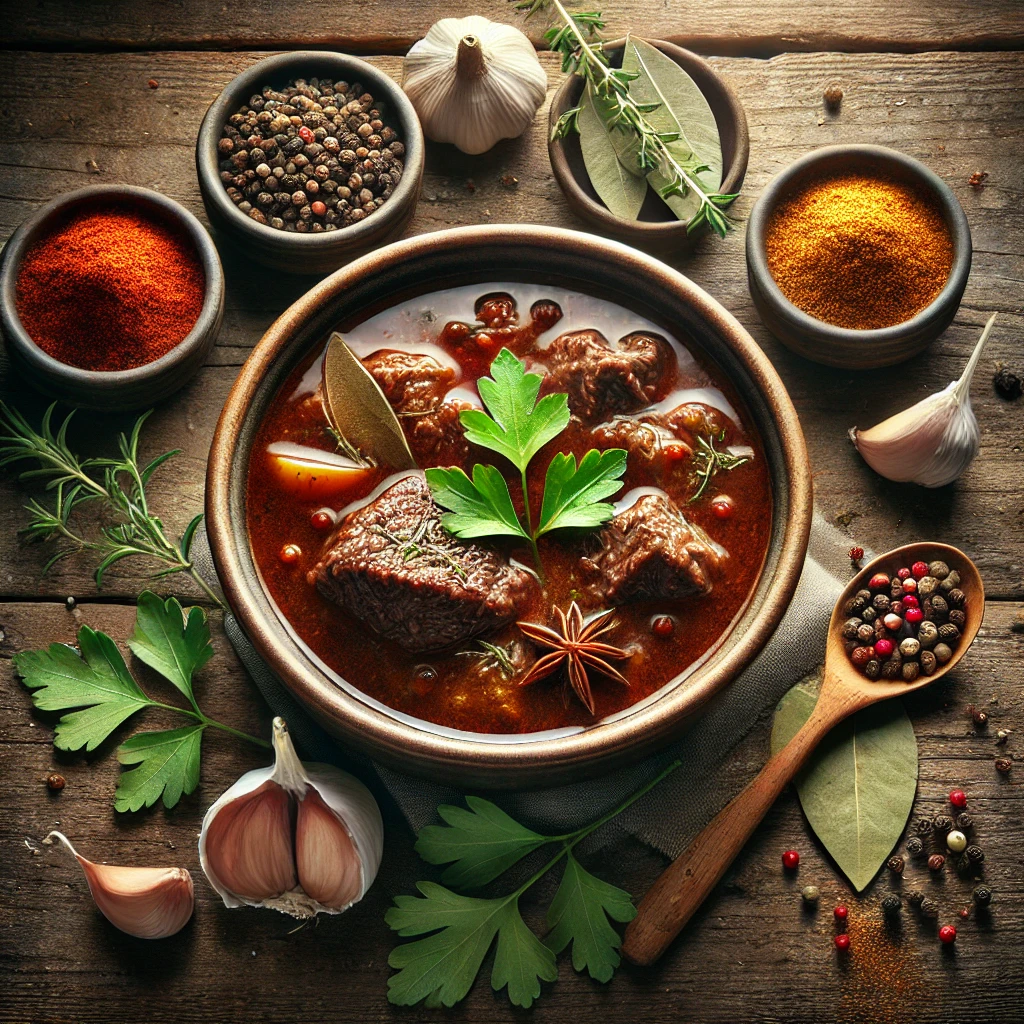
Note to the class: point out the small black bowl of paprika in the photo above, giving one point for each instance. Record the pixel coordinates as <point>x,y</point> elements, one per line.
<point>857,256</point>
<point>111,297</point>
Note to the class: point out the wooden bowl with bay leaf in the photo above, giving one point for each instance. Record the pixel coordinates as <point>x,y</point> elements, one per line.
<point>706,108</point>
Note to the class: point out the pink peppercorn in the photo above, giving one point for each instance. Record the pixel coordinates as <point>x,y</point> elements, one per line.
<point>883,647</point>
<point>879,581</point>
<point>840,913</point>
<point>910,601</point>
<point>947,934</point>
<point>919,569</point>
<point>909,586</point>
<point>790,859</point>
<point>958,798</point>
<point>904,574</point>
<point>306,135</point>
<point>842,942</point>
<point>913,615</point>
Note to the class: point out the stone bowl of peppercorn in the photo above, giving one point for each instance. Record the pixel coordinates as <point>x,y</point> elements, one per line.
<point>308,159</point>
<point>111,297</point>
<point>857,256</point>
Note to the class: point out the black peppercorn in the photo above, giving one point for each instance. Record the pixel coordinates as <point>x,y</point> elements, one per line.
<point>55,782</point>
<point>1004,765</point>
<point>942,823</point>
<point>895,864</point>
<point>929,907</point>
<point>964,822</point>
<point>923,826</point>
<point>915,897</point>
<point>891,904</point>
<point>982,895</point>
<point>1008,385</point>
<point>975,854</point>
<point>914,846</point>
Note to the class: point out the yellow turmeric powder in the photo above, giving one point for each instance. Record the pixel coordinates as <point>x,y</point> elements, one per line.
<point>859,252</point>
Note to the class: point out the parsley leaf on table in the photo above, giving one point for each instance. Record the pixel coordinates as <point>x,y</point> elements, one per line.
<point>96,679</point>
<point>160,641</point>
<point>442,967</point>
<point>574,496</point>
<point>478,844</point>
<point>481,507</point>
<point>579,914</point>
<point>168,765</point>
<point>518,425</point>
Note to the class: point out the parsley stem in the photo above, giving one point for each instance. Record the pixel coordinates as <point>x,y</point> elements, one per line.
<point>200,717</point>
<point>529,519</point>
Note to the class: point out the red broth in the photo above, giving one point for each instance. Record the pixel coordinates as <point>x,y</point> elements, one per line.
<point>464,689</point>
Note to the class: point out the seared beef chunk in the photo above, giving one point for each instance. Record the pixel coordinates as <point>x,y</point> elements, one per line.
<point>650,551</point>
<point>393,565</point>
<point>415,386</point>
<point>601,380</point>
<point>411,382</point>
<point>644,438</point>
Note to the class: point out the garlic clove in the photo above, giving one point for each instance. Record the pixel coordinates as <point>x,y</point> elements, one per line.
<point>148,903</point>
<point>325,824</point>
<point>934,441</point>
<point>249,844</point>
<point>330,870</point>
<point>474,82</point>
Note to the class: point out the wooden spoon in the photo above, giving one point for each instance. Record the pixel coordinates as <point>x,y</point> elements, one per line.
<point>683,886</point>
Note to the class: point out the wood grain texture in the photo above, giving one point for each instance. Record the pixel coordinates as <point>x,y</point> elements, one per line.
<point>723,27</point>
<point>751,954</point>
<point>957,112</point>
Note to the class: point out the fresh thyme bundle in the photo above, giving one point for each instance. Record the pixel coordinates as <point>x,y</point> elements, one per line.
<point>645,124</point>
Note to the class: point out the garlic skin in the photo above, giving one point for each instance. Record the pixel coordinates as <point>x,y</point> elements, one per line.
<point>148,903</point>
<point>933,442</point>
<point>304,839</point>
<point>474,82</point>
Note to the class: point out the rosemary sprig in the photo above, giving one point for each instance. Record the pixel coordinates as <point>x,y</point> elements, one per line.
<point>708,461</point>
<point>493,653</point>
<point>117,486</point>
<point>578,42</point>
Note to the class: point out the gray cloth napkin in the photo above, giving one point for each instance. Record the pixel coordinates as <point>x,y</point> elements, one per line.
<point>674,812</point>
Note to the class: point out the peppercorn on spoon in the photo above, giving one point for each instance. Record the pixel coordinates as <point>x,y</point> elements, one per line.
<point>684,885</point>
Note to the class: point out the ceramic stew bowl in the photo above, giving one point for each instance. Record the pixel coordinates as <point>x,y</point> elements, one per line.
<point>840,346</point>
<point>657,229</point>
<point>508,253</point>
<point>324,251</point>
<point>120,390</point>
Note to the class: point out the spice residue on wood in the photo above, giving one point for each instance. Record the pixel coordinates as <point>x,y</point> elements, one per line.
<point>859,252</point>
<point>110,290</point>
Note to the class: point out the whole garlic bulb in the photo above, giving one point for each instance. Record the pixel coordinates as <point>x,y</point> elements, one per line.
<point>933,442</point>
<point>301,838</point>
<point>148,903</point>
<point>474,82</point>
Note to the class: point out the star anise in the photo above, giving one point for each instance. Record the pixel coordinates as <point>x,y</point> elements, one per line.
<point>576,644</point>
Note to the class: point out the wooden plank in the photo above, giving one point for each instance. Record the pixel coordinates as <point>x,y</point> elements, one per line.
<point>737,27</point>
<point>957,112</point>
<point>752,954</point>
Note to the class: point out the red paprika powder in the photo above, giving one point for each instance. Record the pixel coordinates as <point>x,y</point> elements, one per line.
<point>111,289</point>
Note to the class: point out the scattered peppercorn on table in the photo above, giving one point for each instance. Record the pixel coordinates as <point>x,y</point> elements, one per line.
<point>115,93</point>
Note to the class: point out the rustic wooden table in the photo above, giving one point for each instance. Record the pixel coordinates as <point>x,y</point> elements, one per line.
<point>940,81</point>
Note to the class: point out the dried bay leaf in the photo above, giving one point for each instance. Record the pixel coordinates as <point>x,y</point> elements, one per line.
<point>622,192</point>
<point>358,410</point>
<point>858,788</point>
<point>683,110</point>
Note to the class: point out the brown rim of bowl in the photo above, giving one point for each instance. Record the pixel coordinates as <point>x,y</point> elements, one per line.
<point>729,114</point>
<point>487,763</point>
<point>142,384</point>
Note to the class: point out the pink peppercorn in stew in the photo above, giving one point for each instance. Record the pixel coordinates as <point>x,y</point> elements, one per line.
<point>360,565</point>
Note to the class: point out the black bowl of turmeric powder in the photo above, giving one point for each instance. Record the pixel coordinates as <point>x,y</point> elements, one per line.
<point>857,256</point>
<point>111,297</point>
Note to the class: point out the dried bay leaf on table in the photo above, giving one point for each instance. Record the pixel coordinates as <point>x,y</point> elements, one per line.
<point>683,109</point>
<point>622,192</point>
<point>858,788</point>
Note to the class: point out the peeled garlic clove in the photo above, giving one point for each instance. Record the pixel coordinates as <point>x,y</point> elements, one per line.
<point>149,903</point>
<point>300,838</point>
<point>474,82</point>
<point>933,442</point>
<point>249,844</point>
